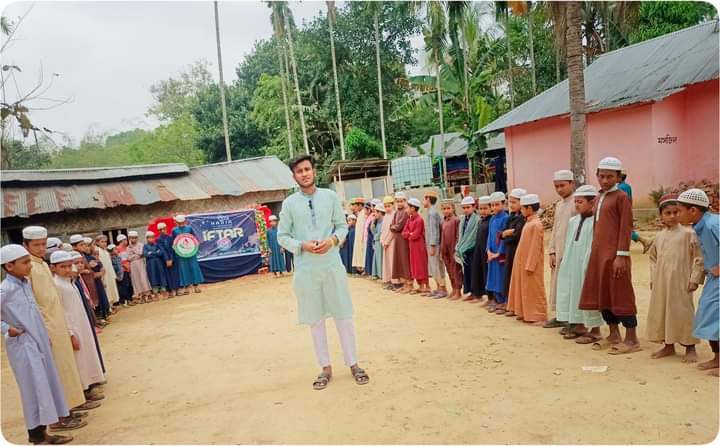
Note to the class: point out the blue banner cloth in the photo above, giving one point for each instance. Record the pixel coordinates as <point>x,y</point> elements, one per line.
<point>229,244</point>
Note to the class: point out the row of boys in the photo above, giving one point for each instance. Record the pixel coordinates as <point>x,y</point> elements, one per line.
<point>491,252</point>
<point>49,322</point>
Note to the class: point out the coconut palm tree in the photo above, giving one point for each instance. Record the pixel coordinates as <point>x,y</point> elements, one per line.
<point>376,8</point>
<point>331,24</point>
<point>278,23</point>
<point>285,13</point>
<point>567,19</point>
<point>502,12</point>
<point>435,45</point>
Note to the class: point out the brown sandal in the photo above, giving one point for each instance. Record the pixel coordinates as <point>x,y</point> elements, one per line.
<point>360,376</point>
<point>322,381</point>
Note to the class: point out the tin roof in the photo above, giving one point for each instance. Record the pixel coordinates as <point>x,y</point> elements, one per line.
<point>94,174</point>
<point>26,193</point>
<point>644,72</point>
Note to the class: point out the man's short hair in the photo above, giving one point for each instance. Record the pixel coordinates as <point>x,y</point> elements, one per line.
<point>299,159</point>
<point>432,200</point>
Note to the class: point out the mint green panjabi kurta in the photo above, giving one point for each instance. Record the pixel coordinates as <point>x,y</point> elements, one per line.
<point>571,274</point>
<point>320,280</point>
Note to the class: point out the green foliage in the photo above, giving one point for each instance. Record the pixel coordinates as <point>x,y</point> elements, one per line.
<point>360,145</point>
<point>15,156</point>
<point>175,142</point>
<point>661,17</point>
<point>173,97</point>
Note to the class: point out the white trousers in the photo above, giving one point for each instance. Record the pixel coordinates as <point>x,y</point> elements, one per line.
<point>346,332</point>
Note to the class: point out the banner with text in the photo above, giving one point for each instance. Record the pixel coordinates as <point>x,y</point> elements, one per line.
<point>225,234</point>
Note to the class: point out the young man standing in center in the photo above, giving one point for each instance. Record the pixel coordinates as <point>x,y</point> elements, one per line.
<point>312,225</point>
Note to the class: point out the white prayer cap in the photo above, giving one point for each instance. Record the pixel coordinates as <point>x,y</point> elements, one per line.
<point>132,233</point>
<point>352,217</point>
<point>76,238</point>
<point>34,233</point>
<point>467,201</point>
<point>75,255</point>
<point>380,207</point>
<point>485,199</point>
<point>60,256</point>
<point>376,201</point>
<point>586,191</point>
<point>695,197</point>
<point>415,202</point>
<point>273,218</point>
<point>53,242</point>
<point>400,195</point>
<point>563,175</point>
<point>517,192</point>
<point>180,218</point>
<point>528,199</point>
<point>161,225</point>
<point>110,247</point>
<point>67,247</point>
<point>87,240</point>
<point>497,197</point>
<point>12,252</point>
<point>610,163</point>
<point>149,234</point>
<point>121,237</point>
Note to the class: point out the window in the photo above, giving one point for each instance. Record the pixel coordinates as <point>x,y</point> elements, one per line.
<point>353,189</point>
<point>378,187</point>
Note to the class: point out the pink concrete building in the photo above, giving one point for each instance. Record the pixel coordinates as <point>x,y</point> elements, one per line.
<point>654,105</point>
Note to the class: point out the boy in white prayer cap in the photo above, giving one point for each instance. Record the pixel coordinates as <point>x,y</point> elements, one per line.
<point>81,333</point>
<point>583,326</point>
<point>564,183</point>
<point>511,237</point>
<point>608,283</point>
<point>527,286</point>
<point>694,208</point>
<point>27,343</point>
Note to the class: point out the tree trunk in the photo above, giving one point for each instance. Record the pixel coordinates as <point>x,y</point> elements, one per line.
<point>222,85</point>
<point>532,50</point>
<point>466,69</point>
<point>297,85</point>
<point>337,89</point>
<point>440,118</point>
<point>283,71</point>
<point>379,79</point>
<point>576,81</point>
<point>557,65</point>
<point>509,59</point>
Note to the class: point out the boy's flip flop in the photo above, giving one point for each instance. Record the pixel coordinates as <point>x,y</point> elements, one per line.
<point>602,344</point>
<point>623,349</point>
<point>585,339</point>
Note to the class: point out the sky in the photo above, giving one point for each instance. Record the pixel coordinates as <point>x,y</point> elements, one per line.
<point>108,54</point>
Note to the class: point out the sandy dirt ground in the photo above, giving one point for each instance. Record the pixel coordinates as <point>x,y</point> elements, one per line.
<point>231,365</point>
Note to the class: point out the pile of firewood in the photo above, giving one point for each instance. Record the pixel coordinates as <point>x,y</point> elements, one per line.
<point>548,216</point>
<point>707,186</point>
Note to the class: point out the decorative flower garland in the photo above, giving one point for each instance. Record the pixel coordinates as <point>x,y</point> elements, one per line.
<point>262,236</point>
